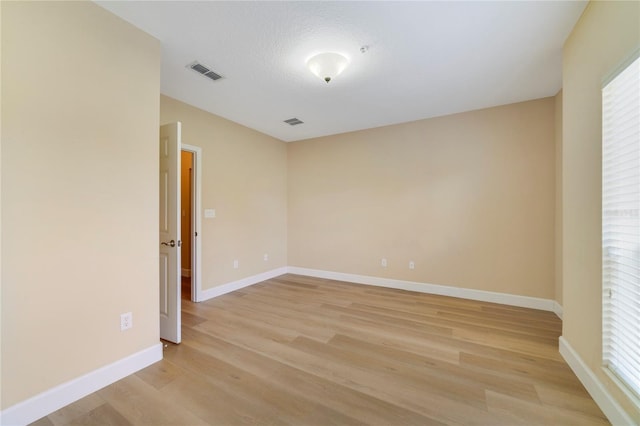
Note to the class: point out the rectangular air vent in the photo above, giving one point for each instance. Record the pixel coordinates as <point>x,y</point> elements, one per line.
<point>201,69</point>
<point>293,121</point>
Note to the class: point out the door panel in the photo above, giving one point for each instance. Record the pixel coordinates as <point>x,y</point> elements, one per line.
<point>169,211</point>
<point>164,285</point>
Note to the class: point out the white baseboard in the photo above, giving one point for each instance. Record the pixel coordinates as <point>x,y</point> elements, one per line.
<point>34,408</point>
<point>210,293</point>
<point>557,308</point>
<point>463,293</point>
<point>597,390</point>
<point>185,272</point>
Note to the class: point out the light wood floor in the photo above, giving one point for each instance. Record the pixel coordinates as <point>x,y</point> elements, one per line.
<point>304,351</point>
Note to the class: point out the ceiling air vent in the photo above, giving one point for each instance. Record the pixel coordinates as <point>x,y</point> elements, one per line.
<point>293,121</point>
<point>201,69</point>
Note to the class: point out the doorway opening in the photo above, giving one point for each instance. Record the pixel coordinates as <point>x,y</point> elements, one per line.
<point>186,183</point>
<point>190,221</point>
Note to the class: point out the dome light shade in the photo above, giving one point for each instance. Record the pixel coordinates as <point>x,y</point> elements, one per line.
<point>327,65</point>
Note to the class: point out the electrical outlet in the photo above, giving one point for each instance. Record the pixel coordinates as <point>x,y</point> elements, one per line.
<point>126,321</point>
<point>236,264</point>
<point>412,265</point>
<point>266,257</point>
<point>383,262</point>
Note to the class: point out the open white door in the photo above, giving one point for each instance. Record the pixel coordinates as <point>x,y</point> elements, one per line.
<point>170,232</point>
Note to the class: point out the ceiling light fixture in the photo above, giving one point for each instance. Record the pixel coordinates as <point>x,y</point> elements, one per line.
<point>327,65</point>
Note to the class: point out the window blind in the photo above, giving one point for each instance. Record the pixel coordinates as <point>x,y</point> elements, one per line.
<point>621,225</point>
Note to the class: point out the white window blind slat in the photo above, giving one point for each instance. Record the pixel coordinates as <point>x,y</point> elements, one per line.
<point>621,226</point>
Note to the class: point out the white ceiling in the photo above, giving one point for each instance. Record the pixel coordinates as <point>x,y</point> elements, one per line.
<point>425,59</point>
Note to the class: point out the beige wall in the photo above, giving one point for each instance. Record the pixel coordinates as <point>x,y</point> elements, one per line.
<point>558,197</point>
<point>468,197</point>
<point>244,175</point>
<point>80,192</point>
<point>606,35</point>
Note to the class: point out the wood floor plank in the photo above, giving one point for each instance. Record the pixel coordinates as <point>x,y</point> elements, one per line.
<point>352,403</point>
<point>160,374</point>
<point>397,374</point>
<point>79,408</point>
<point>518,388</point>
<point>578,402</point>
<point>190,320</point>
<point>217,405</point>
<point>526,413</point>
<point>551,373</point>
<point>429,404</point>
<point>388,320</point>
<point>141,404</point>
<point>104,415</point>
<point>280,321</point>
<point>298,351</point>
<point>258,392</point>
<point>417,341</point>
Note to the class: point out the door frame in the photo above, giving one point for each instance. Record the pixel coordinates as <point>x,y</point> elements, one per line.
<point>195,239</point>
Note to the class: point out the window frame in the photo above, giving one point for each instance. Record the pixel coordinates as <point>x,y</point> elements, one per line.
<point>631,389</point>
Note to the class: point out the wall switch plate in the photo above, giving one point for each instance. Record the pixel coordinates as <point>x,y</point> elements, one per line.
<point>209,213</point>
<point>383,262</point>
<point>236,264</point>
<point>126,321</point>
<point>266,257</point>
